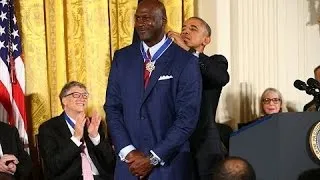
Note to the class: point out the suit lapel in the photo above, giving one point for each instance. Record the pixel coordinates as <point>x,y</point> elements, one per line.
<point>135,71</point>
<point>62,126</point>
<point>160,66</point>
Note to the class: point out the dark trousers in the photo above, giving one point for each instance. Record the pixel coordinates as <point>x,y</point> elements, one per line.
<point>207,154</point>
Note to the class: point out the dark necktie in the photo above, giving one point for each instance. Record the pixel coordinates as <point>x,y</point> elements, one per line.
<point>146,72</point>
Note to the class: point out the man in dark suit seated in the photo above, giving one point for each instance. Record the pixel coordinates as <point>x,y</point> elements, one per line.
<point>15,163</point>
<point>311,106</point>
<point>73,146</point>
<point>205,142</point>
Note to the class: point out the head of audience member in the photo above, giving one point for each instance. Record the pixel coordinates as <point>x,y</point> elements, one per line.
<point>150,21</point>
<point>74,98</point>
<point>311,174</point>
<point>271,102</point>
<point>234,168</point>
<point>317,73</point>
<point>196,33</point>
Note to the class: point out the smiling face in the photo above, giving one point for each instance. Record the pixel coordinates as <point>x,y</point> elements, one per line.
<point>195,34</point>
<point>271,102</point>
<point>75,100</point>
<point>150,21</point>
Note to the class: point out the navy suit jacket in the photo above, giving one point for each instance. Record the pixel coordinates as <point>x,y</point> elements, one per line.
<point>161,117</point>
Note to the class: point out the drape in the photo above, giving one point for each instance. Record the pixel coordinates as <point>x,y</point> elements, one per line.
<point>65,40</point>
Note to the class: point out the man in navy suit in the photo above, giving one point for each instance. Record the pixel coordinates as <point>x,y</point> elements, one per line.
<point>205,142</point>
<point>153,109</point>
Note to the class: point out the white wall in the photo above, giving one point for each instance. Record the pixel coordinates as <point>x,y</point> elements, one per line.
<point>268,43</point>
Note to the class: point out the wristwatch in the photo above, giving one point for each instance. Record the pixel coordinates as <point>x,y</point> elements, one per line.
<point>153,160</point>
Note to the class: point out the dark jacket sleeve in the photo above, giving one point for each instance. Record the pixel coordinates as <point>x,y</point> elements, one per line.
<point>59,154</point>
<point>214,70</point>
<point>104,152</point>
<point>25,163</point>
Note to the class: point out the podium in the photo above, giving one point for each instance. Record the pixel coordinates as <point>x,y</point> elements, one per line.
<point>277,146</point>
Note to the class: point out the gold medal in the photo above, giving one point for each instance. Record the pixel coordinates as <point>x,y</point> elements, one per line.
<point>150,66</point>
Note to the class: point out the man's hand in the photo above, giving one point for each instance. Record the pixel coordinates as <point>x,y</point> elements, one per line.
<point>8,163</point>
<point>133,155</point>
<point>93,126</point>
<point>141,167</point>
<point>139,164</point>
<point>12,167</point>
<point>78,128</point>
<point>177,39</point>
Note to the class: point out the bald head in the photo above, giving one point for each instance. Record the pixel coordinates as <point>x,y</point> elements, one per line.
<point>150,21</point>
<point>234,168</point>
<point>154,5</point>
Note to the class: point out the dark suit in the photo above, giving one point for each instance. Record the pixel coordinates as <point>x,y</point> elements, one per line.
<point>61,155</point>
<point>311,106</point>
<point>161,117</point>
<point>11,144</point>
<point>205,141</point>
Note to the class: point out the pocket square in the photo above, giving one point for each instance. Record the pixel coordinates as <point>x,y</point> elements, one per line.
<point>165,77</point>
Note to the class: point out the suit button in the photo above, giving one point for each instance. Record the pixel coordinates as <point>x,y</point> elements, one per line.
<point>142,118</point>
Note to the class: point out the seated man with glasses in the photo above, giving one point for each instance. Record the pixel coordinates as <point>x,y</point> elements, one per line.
<point>271,102</point>
<point>72,145</point>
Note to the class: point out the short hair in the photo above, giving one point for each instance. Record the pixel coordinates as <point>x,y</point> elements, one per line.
<point>283,107</point>
<point>67,87</point>
<point>316,69</point>
<point>234,168</point>
<point>206,25</point>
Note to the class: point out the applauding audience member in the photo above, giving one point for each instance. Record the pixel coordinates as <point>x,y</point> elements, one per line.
<point>73,146</point>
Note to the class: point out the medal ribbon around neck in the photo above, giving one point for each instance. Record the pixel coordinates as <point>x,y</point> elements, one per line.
<point>66,117</point>
<point>151,65</point>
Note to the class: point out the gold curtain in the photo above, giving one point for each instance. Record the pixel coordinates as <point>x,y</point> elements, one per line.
<point>66,40</point>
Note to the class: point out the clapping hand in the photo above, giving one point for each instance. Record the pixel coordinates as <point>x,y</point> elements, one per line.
<point>93,125</point>
<point>78,128</point>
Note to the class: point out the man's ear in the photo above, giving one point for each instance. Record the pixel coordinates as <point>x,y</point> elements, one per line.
<point>63,101</point>
<point>206,41</point>
<point>164,21</point>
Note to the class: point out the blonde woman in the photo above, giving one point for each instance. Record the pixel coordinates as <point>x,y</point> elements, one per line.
<point>271,102</point>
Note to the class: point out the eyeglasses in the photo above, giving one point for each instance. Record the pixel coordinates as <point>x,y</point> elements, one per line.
<point>78,95</point>
<point>268,100</point>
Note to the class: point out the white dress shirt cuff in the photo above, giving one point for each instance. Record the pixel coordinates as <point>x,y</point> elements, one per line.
<point>155,155</point>
<point>125,151</point>
<point>95,140</point>
<point>76,141</point>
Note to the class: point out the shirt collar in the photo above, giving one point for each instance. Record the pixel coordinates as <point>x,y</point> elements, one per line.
<point>196,54</point>
<point>155,47</point>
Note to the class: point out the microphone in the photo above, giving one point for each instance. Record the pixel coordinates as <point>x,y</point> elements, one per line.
<point>313,83</point>
<point>302,86</point>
